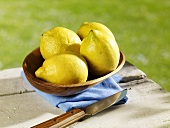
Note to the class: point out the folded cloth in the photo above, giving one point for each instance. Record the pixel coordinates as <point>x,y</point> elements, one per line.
<point>91,95</point>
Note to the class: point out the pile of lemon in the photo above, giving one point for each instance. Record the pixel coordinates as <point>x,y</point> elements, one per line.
<point>70,56</point>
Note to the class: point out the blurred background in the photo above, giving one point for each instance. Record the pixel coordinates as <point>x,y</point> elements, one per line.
<point>141,28</point>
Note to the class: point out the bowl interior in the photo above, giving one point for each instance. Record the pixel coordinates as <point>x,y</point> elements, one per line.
<point>34,60</point>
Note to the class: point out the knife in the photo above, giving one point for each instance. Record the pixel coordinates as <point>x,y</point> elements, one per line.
<point>76,114</point>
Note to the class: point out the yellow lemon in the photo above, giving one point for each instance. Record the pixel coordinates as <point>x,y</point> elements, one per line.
<point>65,68</point>
<point>86,27</point>
<point>101,52</point>
<point>58,40</point>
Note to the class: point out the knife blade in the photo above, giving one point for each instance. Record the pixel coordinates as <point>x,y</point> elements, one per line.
<point>76,114</point>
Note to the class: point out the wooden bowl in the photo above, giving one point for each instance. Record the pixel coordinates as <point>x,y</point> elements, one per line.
<point>34,60</point>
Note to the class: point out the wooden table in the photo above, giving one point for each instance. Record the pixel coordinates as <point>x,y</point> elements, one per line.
<point>148,105</point>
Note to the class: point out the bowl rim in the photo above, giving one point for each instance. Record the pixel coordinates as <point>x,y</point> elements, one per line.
<point>89,82</point>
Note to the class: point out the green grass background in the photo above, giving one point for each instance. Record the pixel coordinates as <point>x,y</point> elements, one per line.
<point>141,28</point>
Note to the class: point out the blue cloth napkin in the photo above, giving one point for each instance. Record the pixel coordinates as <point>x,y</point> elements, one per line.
<point>91,95</point>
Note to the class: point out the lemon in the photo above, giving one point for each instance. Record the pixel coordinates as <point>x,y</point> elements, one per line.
<point>86,27</point>
<point>65,68</point>
<point>58,40</point>
<point>101,52</point>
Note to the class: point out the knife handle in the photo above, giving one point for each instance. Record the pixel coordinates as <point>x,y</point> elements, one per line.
<point>63,120</point>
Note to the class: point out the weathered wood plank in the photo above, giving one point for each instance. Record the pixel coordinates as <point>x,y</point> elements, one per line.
<point>129,73</point>
<point>148,106</point>
<point>10,73</point>
<point>13,86</point>
<point>25,110</point>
